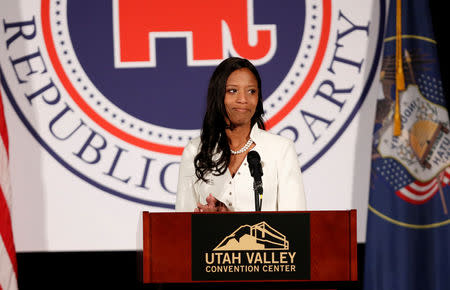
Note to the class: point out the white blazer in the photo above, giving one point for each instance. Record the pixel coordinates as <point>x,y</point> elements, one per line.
<point>282,179</point>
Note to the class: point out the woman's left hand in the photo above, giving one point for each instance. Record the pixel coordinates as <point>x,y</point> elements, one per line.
<point>212,205</point>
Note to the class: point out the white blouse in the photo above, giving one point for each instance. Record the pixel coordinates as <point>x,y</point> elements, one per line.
<point>282,179</point>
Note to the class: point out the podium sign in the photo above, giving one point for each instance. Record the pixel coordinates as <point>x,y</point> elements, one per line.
<point>249,246</point>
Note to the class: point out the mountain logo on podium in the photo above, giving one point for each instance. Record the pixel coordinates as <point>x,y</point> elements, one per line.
<point>260,236</point>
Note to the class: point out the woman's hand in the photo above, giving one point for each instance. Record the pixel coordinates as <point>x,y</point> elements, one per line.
<point>212,205</point>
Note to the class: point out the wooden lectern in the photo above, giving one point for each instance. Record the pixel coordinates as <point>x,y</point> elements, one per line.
<point>307,247</point>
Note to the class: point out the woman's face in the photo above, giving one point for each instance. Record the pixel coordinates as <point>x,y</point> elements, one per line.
<point>241,96</point>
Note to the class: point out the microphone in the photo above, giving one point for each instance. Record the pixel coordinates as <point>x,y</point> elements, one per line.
<point>254,164</point>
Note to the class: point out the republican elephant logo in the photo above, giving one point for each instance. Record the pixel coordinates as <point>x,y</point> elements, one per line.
<point>214,30</point>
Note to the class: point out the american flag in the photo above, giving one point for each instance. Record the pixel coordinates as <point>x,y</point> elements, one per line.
<point>8,262</point>
<point>420,192</point>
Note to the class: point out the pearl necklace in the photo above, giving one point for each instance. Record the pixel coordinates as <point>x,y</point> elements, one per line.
<point>243,149</point>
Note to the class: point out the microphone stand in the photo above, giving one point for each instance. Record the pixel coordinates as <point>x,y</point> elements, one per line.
<point>254,165</point>
<point>258,189</point>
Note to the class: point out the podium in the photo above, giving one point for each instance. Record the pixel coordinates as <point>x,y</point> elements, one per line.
<point>307,247</point>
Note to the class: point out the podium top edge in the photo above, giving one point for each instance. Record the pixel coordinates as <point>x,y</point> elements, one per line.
<point>254,212</point>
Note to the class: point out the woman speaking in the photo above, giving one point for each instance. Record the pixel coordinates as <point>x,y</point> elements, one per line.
<point>214,171</point>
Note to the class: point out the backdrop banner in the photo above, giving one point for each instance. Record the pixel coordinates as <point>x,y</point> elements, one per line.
<point>101,97</point>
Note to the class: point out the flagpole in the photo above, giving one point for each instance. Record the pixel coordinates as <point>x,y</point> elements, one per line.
<point>440,178</point>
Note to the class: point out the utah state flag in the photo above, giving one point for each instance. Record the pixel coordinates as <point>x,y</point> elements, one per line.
<point>408,230</point>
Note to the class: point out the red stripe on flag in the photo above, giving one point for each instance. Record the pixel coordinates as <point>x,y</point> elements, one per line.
<point>409,199</point>
<point>413,201</point>
<point>6,234</point>
<point>424,183</point>
<point>3,130</point>
<point>419,183</point>
<point>6,230</point>
<point>421,191</point>
<point>447,172</point>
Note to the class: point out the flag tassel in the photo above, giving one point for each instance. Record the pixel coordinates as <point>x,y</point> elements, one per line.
<point>399,74</point>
